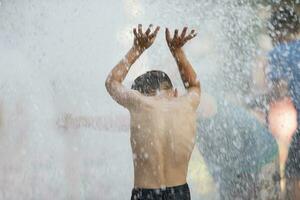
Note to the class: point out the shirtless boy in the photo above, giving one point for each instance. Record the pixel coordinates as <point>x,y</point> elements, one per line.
<point>162,123</point>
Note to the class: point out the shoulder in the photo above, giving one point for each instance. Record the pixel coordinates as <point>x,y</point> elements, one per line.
<point>192,98</point>
<point>138,101</point>
<point>124,96</point>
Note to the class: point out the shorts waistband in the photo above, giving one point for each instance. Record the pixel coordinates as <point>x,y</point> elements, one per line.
<point>178,187</point>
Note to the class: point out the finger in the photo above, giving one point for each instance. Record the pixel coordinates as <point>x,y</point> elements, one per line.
<point>148,30</point>
<point>155,32</point>
<point>135,33</point>
<point>183,32</point>
<point>190,36</point>
<point>168,37</point>
<point>175,34</point>
<point>140,29</point>
<point>193,34</point>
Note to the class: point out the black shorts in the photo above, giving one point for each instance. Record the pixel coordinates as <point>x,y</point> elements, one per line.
<point>292,168</point>
<point>181,192</point>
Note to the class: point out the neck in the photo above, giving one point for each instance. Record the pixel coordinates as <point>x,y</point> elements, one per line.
<point>165,94</point>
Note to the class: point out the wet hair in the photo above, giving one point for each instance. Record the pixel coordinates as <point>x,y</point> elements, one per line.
<point>151,81</point>
<point>284,21</point>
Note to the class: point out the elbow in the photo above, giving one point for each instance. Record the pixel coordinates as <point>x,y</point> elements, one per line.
<point>107,84</point>
<point>199,88</point>
<point>196,85</point>
<point>110,85</point>
<point>111,82</point>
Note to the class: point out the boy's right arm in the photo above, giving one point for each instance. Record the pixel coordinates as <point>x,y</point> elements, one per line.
<point>113,83</point>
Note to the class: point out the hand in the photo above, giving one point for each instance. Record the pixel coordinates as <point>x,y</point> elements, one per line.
<point>143,41</point>
<point>178,41</point>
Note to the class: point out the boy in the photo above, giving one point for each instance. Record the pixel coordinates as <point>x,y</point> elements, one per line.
<point>162,124</point>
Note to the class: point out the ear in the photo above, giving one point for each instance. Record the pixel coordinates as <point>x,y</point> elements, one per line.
<point>175,93</point>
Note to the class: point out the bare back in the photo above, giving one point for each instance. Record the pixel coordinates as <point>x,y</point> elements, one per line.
<point>162,140</point>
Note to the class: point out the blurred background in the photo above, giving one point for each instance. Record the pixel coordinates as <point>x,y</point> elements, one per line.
<point>61,134</point>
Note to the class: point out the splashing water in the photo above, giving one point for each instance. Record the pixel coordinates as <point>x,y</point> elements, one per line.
<point>55,56</point>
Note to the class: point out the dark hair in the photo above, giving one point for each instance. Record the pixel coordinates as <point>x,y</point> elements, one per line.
<point>284,21</point>
<point>151,81</point>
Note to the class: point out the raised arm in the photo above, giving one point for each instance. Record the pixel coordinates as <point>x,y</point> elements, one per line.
<point>187,73</point>
<point>113,83</point>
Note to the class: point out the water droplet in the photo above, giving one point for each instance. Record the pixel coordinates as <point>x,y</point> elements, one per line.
<point>146,155</point>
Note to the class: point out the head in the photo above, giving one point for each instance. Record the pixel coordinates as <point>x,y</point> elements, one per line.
<point>284,24</point>
<point>154,82</point>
